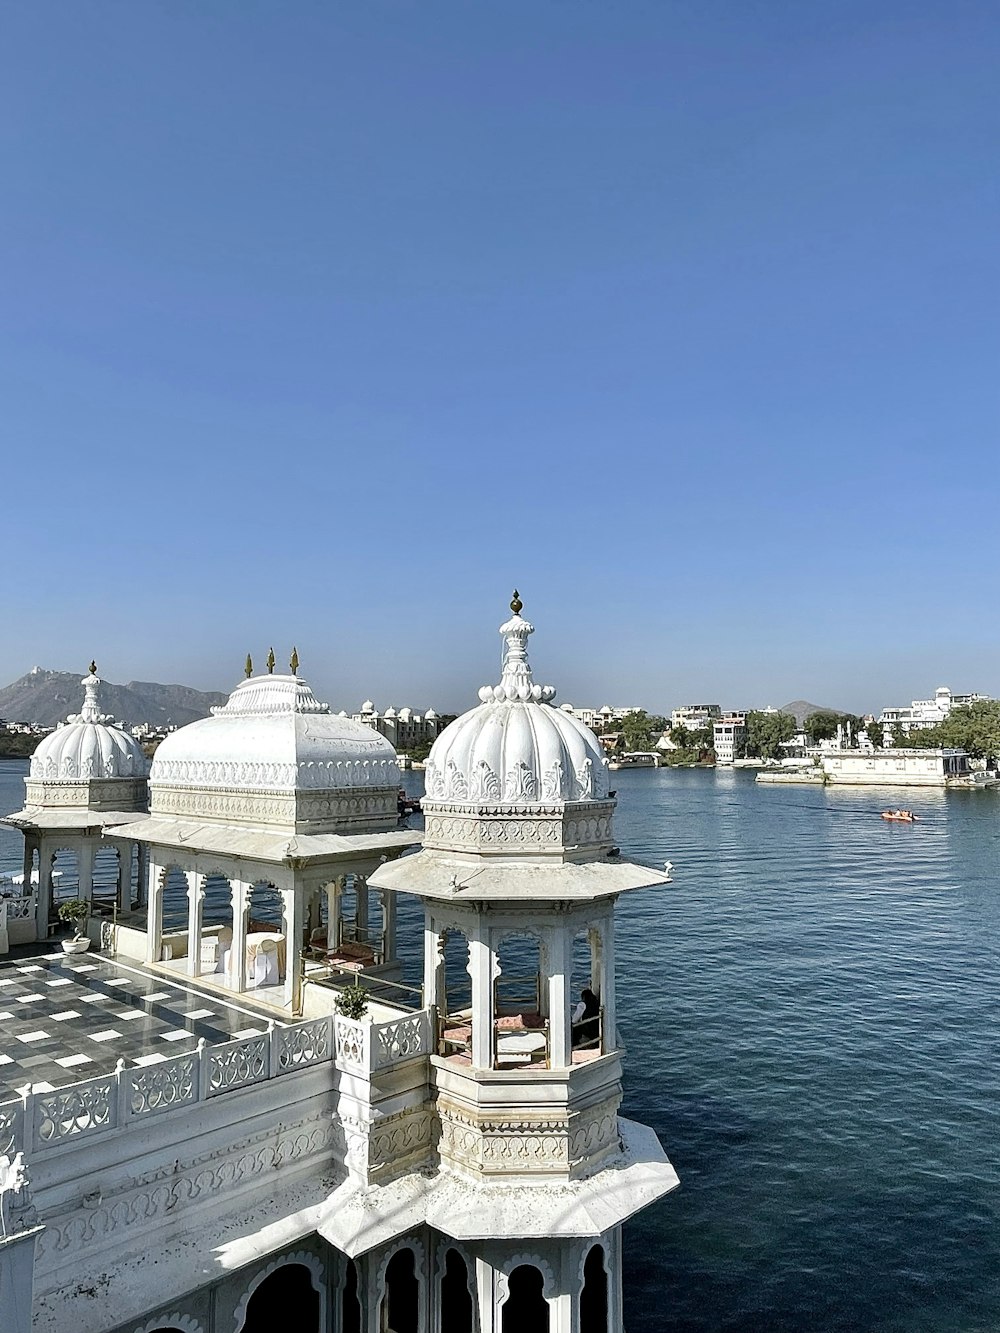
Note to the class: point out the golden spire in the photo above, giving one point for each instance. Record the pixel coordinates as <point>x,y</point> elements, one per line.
<point>93,668</point>
<point>248,667</point>
<point>516,604</point>
<point>294,663</point>
<point>270,661</point>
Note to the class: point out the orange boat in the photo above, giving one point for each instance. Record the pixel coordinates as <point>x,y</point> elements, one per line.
<point>900,816</point>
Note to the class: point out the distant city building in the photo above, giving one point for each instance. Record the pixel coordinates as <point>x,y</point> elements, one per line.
<point>695,717</point>
<point>605,716</point>
<point>925,713</point>
<point>729,737</point>
<point>405,729</point>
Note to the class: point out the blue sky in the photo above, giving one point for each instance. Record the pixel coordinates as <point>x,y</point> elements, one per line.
<point>328,323</point>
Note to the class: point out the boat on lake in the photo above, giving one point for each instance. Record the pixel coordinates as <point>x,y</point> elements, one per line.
<point>900,816</point>
<point>635,759</point>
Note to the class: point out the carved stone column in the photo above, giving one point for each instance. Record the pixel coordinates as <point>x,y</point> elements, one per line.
<point>196,899</point>
<point>608,1002</point>
<point>27,863</point>
<point>482,969</point>
<point>559,956</point>
<point>123,889</point>
<point>361,908</point>
<point>85,860</point>
<point>388,926</point>
<point>434,978</point>
<point>154,914</point>
<point>294,918</point>
<point>142,874</point>
<point>238,956</point>
<point>332,891</point>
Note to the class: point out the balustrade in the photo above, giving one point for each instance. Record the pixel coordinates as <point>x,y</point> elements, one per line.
<point>45,1120</point>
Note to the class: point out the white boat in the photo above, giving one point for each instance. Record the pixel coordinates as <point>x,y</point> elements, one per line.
<point>636,759</point>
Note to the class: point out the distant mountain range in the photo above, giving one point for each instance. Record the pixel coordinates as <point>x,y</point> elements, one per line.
<point>800,709</point>
<point>46,697</point>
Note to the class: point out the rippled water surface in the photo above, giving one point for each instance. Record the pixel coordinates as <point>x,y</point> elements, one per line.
<point>811,1017</point>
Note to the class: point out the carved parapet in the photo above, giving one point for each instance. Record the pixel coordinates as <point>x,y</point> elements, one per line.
<point>363,1047</point>
<point>560,1145</point>
<point>504,830</point>
<point>302,810</point>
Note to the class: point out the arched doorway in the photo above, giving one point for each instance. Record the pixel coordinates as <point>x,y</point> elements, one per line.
<point>401,1299</point>
<point>594,1295</point>
<point>526,1310</point>
<point>285,1299</point>
<point>456,1298</point>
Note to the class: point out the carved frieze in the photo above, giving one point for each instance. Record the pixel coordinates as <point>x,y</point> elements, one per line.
<point>505,828</point>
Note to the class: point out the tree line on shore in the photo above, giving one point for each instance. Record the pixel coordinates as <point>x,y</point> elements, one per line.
<point>974,728</point>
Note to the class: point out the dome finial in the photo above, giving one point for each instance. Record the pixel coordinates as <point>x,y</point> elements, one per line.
<point>248,667</point>
<point>294,663</point>
<point>90,712</point>
<point>516,684</point>
<point>270,661</point>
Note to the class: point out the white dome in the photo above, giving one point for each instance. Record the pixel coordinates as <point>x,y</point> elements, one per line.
<point>274,735</point>
<point>515,748</point>
<point>88,746</point>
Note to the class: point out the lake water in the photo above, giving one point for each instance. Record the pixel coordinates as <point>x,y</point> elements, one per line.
<point>810,1012</point>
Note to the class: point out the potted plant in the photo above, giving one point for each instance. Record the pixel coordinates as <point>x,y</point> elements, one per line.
<point>352,1001</point>
<point>75,911</point>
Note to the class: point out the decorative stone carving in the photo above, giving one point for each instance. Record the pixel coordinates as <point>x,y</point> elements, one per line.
<point>185,1323</point>
<point>306,1258</point>
<point>175,1187</point>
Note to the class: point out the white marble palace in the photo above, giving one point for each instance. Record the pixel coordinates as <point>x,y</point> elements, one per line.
<point>351,1153</point>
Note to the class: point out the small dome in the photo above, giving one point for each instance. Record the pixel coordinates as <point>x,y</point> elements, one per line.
<point>389,712</point>
<point>368,706</point>
<point>515,748</point>
<point>88,746</point>
<point>430,715</point>
<point>275,735</point>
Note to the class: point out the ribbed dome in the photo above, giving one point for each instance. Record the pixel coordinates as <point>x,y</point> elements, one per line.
<point>515,748</point>
<point>274,735</point>
<point>87,747</point>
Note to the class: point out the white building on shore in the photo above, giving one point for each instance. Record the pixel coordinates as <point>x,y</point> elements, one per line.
<point>924,713</point>
<point>403,729</point>
<point>450,1159</point>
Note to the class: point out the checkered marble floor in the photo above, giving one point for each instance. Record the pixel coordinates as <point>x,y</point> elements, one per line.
<point>68,1017</point>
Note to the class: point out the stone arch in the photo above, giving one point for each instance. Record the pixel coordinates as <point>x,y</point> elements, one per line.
<point>401,1243</point>
<point>525,1307</point>
<point>530,1261</point>
<point>302,1258</point>
<point>265,906</point>
<point>171,1323</point>
<point>173,897</point>
<point>65,876</point>
<point>594,1290</point>
<point>520,966</point>
<point>456,1288</point>
<point>399,1289</point>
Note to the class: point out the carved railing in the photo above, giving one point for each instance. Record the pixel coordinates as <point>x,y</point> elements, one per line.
<point>48,1119</point>
<point>19,909</point>
<point>40,1121</point>
<point>364,1047</point>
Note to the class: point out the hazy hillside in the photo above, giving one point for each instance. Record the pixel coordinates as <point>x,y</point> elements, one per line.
<point>801,709</point>
<point>45,697</point>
